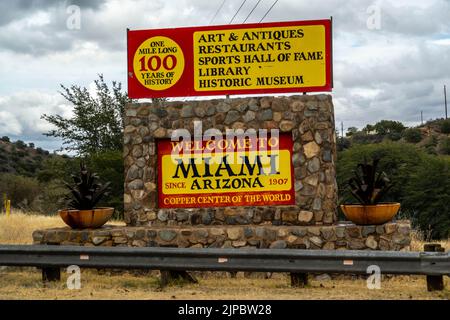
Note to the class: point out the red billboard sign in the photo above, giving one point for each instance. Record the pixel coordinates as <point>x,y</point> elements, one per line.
<point>236,171</point>
<point>230,59</point>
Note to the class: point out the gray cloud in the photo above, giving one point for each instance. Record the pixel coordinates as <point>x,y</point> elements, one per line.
<point>20,116</point>
<point>390,73</point>
<point>18,9</point>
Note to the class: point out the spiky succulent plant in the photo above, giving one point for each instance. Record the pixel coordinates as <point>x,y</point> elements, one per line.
<point>85,192</point>
<point>368,185</point>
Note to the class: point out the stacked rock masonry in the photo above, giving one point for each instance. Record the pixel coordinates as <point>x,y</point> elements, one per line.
<point>309,224</point>
<point>309,118</point>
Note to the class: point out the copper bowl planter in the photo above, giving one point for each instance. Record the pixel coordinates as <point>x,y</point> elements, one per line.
<point>370,214</point>
<point>85,219</point>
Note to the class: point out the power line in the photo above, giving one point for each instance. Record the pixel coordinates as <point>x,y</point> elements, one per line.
<point>242,4</point>
<point>217,12</point>
<point>445,99</point>
<point>273,4</point>
<point>253,9</point>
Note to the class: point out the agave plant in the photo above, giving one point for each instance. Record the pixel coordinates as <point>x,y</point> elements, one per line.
<point>369,186</point>
<point>86,192</point>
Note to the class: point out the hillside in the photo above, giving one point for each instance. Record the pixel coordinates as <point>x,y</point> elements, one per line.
<point>433,137</point>
<point>20,158</point>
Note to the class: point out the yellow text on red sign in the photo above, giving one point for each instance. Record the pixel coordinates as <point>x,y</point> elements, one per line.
<point>260,58</point>
<point>255,172</point>
<point>234,172</point>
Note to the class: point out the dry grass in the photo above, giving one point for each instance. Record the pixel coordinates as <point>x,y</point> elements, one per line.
<point>25,283</point>
<point>18,227</point>
<point>418,239</point>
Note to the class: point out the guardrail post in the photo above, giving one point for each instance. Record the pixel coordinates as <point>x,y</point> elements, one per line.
<point>299,280</point>
<point>434,283</point>
<point>168,276</point>
<point>51,274</point>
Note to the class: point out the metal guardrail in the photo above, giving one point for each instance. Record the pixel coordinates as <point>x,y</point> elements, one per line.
<point>209,259</point>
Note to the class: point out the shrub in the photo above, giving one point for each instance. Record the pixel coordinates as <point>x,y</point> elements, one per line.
<point>431,144</point>
<point>20,144</point>
<point>427,197</point>
<point>444,147</point>
<point>50,200</point>
<point>385,127</point>
<point>342,144</point>
<point>394,136</point>
<point>22,191</point>
<point>109,166</point>
<point>422,182</point>
<point>412,135</point>
<point>85,191</point>
<point>56,168</point>
<point>398,160</point>
<point>361,137</point>
<point>445,126</point>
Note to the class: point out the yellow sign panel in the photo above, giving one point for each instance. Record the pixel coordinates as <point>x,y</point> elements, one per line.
<point>158,63</point>
<point>260,58</point>
<point>222,172</point>
<point>238,171</point>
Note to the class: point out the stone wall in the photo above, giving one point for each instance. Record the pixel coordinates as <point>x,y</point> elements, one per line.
<point>309,118</point>
<point>309,224</point>
<point>390,236</point>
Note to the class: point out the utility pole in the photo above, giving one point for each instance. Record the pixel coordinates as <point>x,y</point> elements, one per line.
<point>421,117</point>
<point>445,101</point>
<point>342,130</point>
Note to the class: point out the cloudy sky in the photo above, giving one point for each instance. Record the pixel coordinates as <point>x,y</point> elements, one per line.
<point>391,58</point>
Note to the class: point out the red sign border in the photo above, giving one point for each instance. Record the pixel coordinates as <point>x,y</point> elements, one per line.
<point>184,38</point>
<point>284,145</point>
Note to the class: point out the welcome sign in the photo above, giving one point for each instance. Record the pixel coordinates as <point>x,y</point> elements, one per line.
<point>237,171</point>
<point>233,59</point>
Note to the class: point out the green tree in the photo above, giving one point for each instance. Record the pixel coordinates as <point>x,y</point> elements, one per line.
<point>398,160</point>
<point>342,144</point>
<point>445,126</point>
<point>351,131</point>
<point>430,144</point>
<point>57,168</point>
<point>368,129</point>
<point>427,197</point>
<point>22,191</point>
<point>444,147</point>
<point>109,166</point>
<point>422,182</point>
<point>361,137</point>
<point>385,127</point>
<point>97,121</point>
<point>412,135</point>
<point>20,144</point>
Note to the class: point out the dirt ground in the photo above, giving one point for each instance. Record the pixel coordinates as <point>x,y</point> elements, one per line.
<point>25,283</point>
